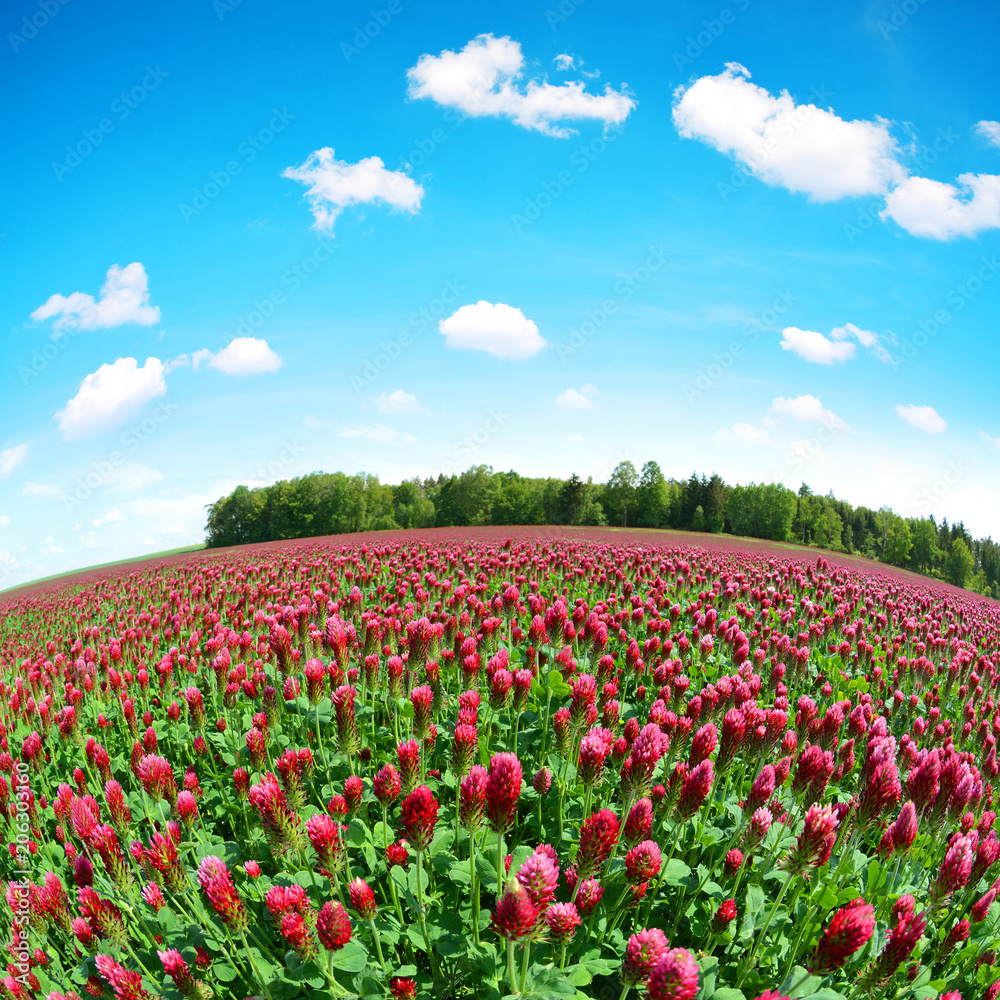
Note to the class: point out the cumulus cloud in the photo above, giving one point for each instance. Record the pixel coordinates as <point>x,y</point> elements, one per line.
<point>939,211</point>
<point>744,434</point>
<point>995,441</point>
<point>809,410</point>
<point>796,146</point>
<point>398,404</point>
<point>112,517</point>
<point>334,184</point>
<point>52,549</point>
<point>564,62</point>
<point>110,396</point>
<point>578,399</point>
<point>381,433</point>
<point>242,356</point>
<point>485,78</point>
<point>11,458</point>
<point>990,131</point>
<point>124,299</point>
<point>822,350</point>
<point>923,418</point>
<point>501,330</point>
<point>31,489</point>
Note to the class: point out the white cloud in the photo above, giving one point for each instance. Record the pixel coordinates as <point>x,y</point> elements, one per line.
<point>4,520</point>
<point>807,409</point>
<point>31,489</point>
<point>52,550</point>
<point>575,438</point>
<point>124,299</point>
<point>744,434</point>
<point>990,131</point>
<point>484,78</point>
<point>797,146</point>
<point>815,347</point>
<point>578,399</point>
<point>381,433</point>
<point>112,517</point>
<point>822,350</point>
<point>995,441</point>
<point>939,211</point>
<point>204,354</point>
<point>335,184</point>
<point>243,356</point>
<point>564,62</point>
<point>89,540</point>
<point>923,418</point>
<point>11,458</point>
<point>110,396</point>
<point>398,404</point>
<point>501,330</point>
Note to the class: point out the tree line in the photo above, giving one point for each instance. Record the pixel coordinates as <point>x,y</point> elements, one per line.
<point>325,503</point>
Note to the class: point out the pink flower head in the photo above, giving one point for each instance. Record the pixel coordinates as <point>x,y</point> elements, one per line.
<point>539,875</point>
<point>503,789</point>
<point>589,896</point>
<point>848,931</point>
<point>387,785</point>
<point>639,822</point>
<point>562,920</point>
<point>674,977</point>
<point>472,797</point>
<point>724,916</point>
<point>694,789</point>
<point>215,881</point>
<point>598,836</point>
<point>644,949</point>
<point>324,835</point>
<point>815,842</point>
<point>643,862</point>
<point>418,817</point>
<point>333,926</point>
<point>362,898</point>
<point>516,914</point>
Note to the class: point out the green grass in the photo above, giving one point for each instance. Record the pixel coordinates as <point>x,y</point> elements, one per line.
<point>118,562</point>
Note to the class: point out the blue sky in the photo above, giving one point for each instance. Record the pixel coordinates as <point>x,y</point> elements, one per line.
<point>746,238</point>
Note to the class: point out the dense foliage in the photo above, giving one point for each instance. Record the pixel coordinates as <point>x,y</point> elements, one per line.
<point>334,503</point>
<point>487,767</point>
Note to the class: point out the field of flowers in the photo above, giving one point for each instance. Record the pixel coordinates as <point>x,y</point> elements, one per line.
<point>473,766</point>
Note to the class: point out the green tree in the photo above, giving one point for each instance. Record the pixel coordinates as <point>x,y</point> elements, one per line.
<point>652,508</point>
<point>620,493</point>
<point>959,565</point>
